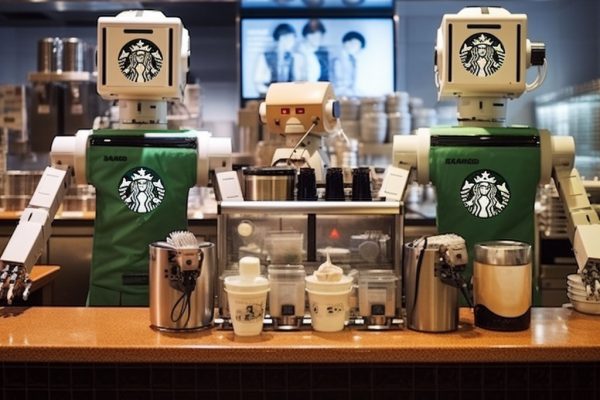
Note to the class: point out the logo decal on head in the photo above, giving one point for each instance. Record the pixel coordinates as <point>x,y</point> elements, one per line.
<point>485,193</point>
<point>141,190</point>
<point>482,54</point>
<point>140,60</point>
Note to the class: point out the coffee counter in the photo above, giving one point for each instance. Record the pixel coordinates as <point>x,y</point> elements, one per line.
<point>123,335</point>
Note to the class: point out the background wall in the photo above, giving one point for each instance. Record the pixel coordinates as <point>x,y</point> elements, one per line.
<point>569,29</point>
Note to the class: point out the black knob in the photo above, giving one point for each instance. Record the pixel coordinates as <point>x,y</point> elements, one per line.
<point>538,53</point>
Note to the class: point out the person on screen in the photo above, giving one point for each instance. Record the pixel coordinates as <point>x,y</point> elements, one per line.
<point>313,60</point>
<point>344,66</point>
<point>277,64</point>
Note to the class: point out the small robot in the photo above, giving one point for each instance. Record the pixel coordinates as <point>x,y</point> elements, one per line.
<point>303,112</point>
<point>486,174</point>
<point>141,171</point>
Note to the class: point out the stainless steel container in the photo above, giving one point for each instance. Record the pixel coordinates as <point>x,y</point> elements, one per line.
<point>269,183</point>
<point>72,55</point>
<point>502,285</point>
<point>431,304</point>
<point>166,296</point>
<point>49,50</point>
<point>21,183</point>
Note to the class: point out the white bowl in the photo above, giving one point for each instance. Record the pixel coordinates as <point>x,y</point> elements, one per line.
<point>579,293</point>
<point>575,279</point>
<point>582,298</point>
<point>586,307</point>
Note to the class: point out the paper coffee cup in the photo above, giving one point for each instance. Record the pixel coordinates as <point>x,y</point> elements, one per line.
<point>247,311</point>
<point>328,310</point>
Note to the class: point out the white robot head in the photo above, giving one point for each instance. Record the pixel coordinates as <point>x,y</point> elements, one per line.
<point>143,60</point>
<point>142,55</point>
<point>483,53</point>
<point>292,108</point>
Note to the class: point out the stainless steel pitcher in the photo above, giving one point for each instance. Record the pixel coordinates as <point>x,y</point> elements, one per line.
<point>177,303</point>
<point>430,282</point>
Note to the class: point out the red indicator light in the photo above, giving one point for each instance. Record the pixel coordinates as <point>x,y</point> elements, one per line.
<point>285,110</point>
<point>299,110</point>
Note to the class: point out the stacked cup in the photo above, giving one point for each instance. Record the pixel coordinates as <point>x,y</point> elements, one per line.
<point>398,115</point>
<point>328,294</point>
<point>582,300</point>
<point>373,120</point>
<point>247,296</point>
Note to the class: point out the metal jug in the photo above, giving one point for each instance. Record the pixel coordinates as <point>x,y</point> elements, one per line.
<point>432,268</point>
<point>181,299</point>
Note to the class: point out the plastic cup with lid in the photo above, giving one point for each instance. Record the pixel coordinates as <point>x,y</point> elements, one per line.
<point>247,297</point>
<point>328,294</point>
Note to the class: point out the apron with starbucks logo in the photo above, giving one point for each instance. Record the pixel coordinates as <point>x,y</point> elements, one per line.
<point>142,187</point>
<point>486,181</point>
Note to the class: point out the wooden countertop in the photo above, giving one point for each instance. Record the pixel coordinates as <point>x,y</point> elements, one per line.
<point>55,334</point>
<point>41,275</point>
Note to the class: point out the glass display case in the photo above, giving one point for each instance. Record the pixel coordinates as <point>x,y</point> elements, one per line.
<point>359,236</point>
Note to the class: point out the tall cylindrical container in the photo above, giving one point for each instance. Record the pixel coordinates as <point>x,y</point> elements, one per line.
<point>431,304</point>
<point>166,298</point>
<point>72,55</point>
<point>502,285</point>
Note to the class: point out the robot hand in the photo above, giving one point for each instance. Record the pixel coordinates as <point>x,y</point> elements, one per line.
<point>586,247</point>
<point>14,283</point>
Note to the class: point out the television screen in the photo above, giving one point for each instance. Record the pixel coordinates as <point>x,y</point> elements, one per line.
<point>355,54</point>
<point>317,4</point>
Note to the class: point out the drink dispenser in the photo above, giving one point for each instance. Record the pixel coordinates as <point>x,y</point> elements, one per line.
<point>286,298</point>
<point>432,267</point>
<point>377,297</point>
<point>182,286</point>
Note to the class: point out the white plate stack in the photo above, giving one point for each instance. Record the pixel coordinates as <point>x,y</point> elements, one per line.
<point>582,300</point>
<point>350,114</point>
<point>399,119</point>
<point>373,120</point>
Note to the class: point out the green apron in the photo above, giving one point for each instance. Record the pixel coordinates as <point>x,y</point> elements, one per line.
<point>142,187</point>
<point>486,181</point>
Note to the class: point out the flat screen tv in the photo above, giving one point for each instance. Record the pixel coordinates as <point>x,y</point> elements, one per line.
<point>357,55</point>
<point>317,4</point>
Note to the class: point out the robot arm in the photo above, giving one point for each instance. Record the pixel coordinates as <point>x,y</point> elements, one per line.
<point>34,228</point>
<point>583,222</point>
<point>29,238</point>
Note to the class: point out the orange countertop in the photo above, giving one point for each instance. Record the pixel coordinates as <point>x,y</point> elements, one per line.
<point>55,334</point>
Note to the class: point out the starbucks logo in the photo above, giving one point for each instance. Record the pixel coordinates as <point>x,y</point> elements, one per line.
<point>485,193</point>
<point>141,190</point>
<point>140,60</point>
<point>482,54</point>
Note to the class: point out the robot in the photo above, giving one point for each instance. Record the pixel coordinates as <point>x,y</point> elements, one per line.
<point>141,171</point>
<point>486,174</point>
<point>303,112</point>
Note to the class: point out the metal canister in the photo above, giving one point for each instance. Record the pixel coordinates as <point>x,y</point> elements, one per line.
<point>431,302</point>
<point>49,53</point>
<point>72,55</point>
<point>502,285</point>
<point>166,296</point>
<point>269,183</point>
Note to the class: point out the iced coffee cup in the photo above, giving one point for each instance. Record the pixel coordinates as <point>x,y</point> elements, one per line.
<point>328,291</point>
<point>247,297</point>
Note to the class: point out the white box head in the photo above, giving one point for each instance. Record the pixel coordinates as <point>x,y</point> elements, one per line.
<point>142,55</point>
<point>482,51</point>
<point>293,107</point>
